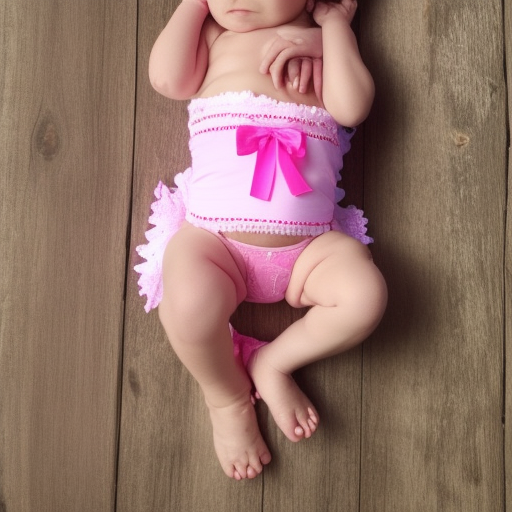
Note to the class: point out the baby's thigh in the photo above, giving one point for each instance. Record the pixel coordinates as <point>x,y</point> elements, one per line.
<point>200,274</point>
<point>332,267</point>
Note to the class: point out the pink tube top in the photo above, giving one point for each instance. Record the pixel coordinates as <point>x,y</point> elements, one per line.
<point>261,165</point>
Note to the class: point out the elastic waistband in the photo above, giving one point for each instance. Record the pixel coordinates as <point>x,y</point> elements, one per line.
<point>298,246</point>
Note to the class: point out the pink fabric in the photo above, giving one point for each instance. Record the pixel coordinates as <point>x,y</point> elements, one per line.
<point>267,270</point>
<point>244,346</point>
<point>167,217</point>
<point>222,177</point>
<point>275,149</point>
<point>203,195</point>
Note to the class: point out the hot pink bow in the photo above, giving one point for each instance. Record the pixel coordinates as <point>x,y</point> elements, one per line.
<point>275,146</point>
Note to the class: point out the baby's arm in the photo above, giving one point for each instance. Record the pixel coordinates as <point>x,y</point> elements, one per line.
<point>179,57</point>
<point>348,88</point>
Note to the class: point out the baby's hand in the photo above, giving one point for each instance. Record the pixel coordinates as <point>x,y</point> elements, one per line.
<point>299,73</point>
<point>346,9</point>
<point>295,55</point>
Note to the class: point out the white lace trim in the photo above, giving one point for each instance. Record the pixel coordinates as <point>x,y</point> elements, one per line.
<point>292,228</point>
<point>231,109</point>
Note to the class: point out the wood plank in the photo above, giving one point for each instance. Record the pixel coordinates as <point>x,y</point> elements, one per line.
<point>435,170</point>
<point>508,272</point>
<point>166,458</point>
<point>67,103</point>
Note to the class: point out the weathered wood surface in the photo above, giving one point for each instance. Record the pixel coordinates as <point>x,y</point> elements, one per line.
<point>410,422</point>
<point>508,272</point>
<point>66,136</point>
<point>435,169</point>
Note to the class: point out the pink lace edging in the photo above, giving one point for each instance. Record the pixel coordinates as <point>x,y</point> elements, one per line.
<point>167,217</point>
<point>350,220</point>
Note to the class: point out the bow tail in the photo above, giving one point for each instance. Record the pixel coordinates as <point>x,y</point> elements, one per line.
<point>264,172</point>
<point>296,183</point>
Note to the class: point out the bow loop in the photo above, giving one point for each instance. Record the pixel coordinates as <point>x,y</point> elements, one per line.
<point>275,147</point>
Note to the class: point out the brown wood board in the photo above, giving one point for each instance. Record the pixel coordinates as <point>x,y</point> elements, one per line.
<point>435,186</point>
<point>412,420</point>
<point>66,130</point>
<point>508,270</point>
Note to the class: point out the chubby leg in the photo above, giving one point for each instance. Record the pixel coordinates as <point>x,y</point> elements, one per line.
<point>337,277</point>
<point>202,288</point>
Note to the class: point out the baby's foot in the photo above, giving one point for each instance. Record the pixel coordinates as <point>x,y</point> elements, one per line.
<point>290,407</point>
<point>237,439</point>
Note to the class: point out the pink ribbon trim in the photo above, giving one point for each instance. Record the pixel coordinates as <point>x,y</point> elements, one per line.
<point>275,147</point>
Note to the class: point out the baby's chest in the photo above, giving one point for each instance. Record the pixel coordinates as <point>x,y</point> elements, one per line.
<point>247,48</point>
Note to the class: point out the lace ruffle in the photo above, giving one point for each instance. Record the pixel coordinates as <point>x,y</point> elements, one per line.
<point>167,217</point>
<point>350,221</point>
<point>235,108</point>
<point>258,226</point>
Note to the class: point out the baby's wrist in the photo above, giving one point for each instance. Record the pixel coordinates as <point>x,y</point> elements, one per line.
<point>336,19</point>
<point>202,4</point>
<point>327,14</point>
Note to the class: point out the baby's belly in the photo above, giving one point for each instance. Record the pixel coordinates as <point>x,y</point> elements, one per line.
<point>259,85</point>
<point>264,239</point>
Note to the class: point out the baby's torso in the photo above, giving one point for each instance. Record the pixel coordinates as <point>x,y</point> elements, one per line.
<point>299,149</point>
<point>234,66</point>
<point>234,63</point>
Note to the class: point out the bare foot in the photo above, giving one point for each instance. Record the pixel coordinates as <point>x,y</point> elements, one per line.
<point>241,450</point>
<point>290,407</point>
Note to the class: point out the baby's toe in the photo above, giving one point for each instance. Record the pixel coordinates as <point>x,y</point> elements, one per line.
<point>299,432</point>
<point>306,424</point>
<point>241,471</point>
<point>252,473</point>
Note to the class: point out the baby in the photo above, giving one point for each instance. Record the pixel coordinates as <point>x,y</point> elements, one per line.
<point>256,217</point>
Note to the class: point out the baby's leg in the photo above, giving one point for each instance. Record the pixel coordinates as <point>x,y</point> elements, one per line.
<point>202,288</point>
<point>336,276</point>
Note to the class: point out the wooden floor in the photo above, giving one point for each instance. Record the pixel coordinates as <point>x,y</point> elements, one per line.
<point>96,413</point>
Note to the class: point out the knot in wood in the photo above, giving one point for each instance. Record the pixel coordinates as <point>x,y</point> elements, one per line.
<point>47,138</point>
<point>460,139</point>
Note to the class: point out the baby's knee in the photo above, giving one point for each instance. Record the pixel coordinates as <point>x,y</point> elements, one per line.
<point>368,299</point>
<point>180,306</point>
<point>193,307</point>
<point>378,294</point>
<point>190,313</point>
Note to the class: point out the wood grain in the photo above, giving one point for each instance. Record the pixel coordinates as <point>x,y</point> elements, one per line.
<point>67,104</point>
<point>166,458</point>
<point>435,155</point>
<point>411,421</point>
<point>508,271</point>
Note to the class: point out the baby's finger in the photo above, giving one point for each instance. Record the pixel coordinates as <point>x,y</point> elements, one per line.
<point>277,69</point>
<point>276,48</point>
<point>317,78</point>
<point>306,71</point>
<point>293,72</point>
